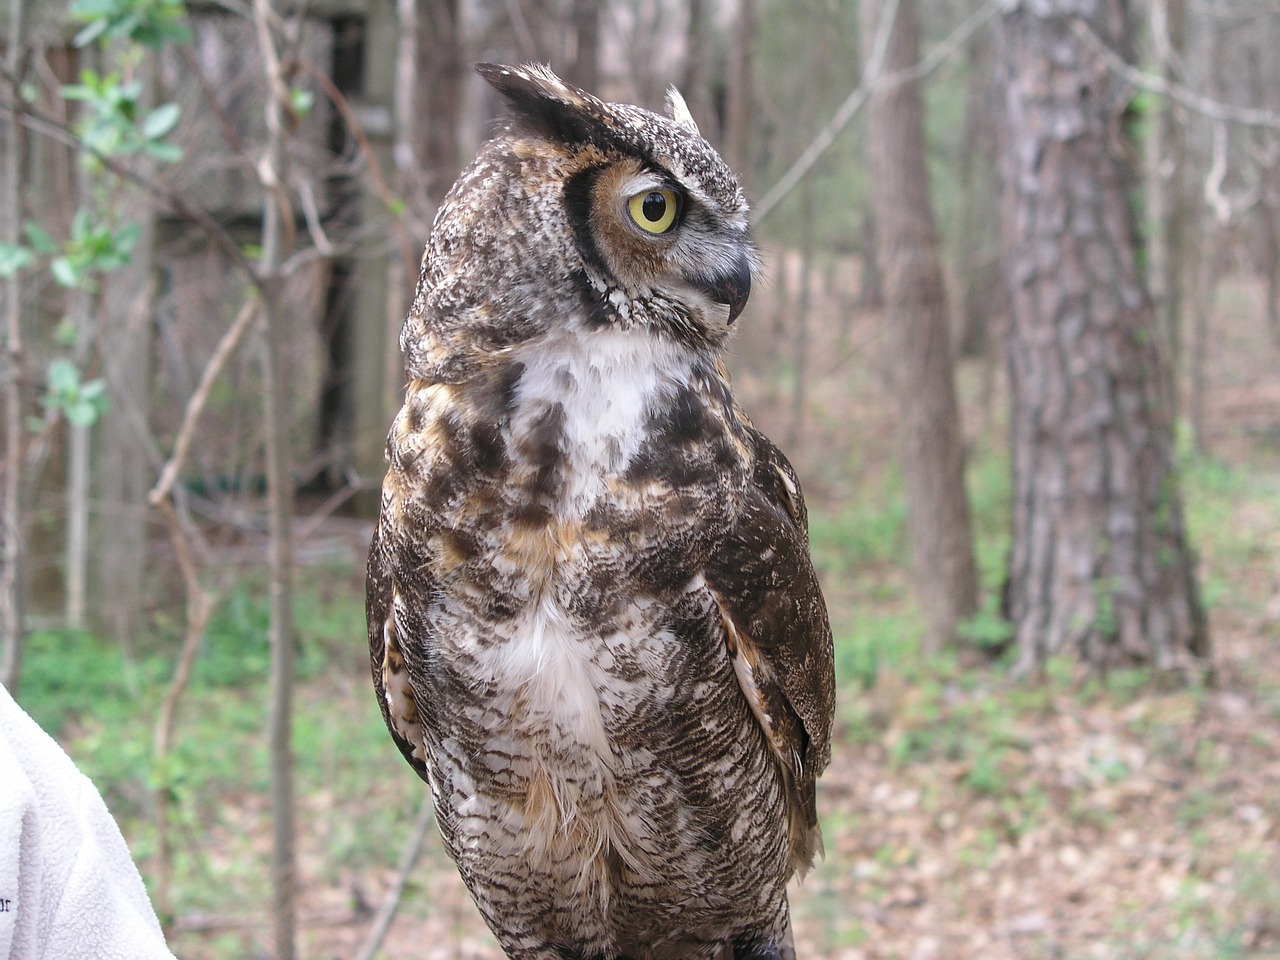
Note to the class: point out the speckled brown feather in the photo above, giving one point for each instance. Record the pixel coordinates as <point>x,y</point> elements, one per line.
<point>593,624</point>
<point>767,589</point>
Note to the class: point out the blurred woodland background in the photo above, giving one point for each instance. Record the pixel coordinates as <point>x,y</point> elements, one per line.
<point>1020,336</point>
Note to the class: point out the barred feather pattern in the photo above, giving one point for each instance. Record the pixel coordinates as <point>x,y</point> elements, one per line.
<point>594,628</point>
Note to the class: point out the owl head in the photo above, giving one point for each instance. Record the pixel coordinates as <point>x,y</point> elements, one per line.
<point>581,214</point>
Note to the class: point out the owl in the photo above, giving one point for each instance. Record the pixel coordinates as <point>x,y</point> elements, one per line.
<point>594,626</point>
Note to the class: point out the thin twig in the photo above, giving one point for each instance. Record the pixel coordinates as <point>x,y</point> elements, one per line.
<point>872,82</point>
<point>200,605</point>
<point>371,159</point>
<point>1226,208</point>
<point>1214,109</point>
<point>326,509</point>
<point>195,406</point>
<point>391,902</point>
<point>520,26</point>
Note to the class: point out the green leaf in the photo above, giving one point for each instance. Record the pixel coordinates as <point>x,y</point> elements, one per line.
<point>79,91</point>
<point>126,237</point>
<point>63,376</point>
<point>301,100</point>
<point>146,22</point>
<point>81,224</point>
<point>40,241</point>
<point>161,121</point>
<point>127,27</point>
<point>80,414</point>
<point>92,32</point>
<point>64,273</point>
<point>164,152</point>
<point>14,258</point>
<point>91,9</point>
<point>93,390</point>
<point>65,334</point>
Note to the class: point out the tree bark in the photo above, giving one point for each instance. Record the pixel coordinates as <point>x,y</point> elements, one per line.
<point>980,294</point>
<point>124,461</point>
<point>1100,568</point>
<point>12,592</point>
<point>440,73</point>
<point>584,68</point>
<point>738,109</point>
<point>930,439</point>
<point>694,84</point>
<point>1167,213</point>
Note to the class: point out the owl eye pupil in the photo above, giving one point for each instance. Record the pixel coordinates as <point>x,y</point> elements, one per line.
<point>654,207</point>
<point>654,212</point>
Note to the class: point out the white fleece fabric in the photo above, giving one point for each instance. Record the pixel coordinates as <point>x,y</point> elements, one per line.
<point>68,888</point>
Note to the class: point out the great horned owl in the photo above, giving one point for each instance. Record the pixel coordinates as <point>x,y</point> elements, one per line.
<point>594,626</point>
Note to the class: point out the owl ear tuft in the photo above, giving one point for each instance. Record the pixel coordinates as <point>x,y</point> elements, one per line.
<point>679,110</point>
<point>546,103</point>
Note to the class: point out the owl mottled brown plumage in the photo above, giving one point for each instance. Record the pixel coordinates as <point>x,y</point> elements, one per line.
<point>594,625</point>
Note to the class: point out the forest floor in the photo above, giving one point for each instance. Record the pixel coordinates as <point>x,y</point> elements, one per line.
<point>966,817</point>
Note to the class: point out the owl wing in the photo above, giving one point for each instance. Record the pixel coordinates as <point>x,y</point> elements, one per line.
<point>778,635</point>
<point>386,654</point>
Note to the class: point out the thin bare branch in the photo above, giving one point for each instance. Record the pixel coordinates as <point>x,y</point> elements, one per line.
<point>195,406</point>
<point>391,902</point>
<point>1225,208</point>
<point>1207,106</point>
<point>872,82</point>
<point>371,159</point>
<point>200,605</point>
<point>524,36</point>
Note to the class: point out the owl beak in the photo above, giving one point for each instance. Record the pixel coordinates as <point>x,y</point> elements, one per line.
<point>732,287</point>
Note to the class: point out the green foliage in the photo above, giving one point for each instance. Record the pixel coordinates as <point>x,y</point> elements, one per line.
<point>14,258</point>
<point>66,673</point>
<point>987,628</point>
<point>92,248</point>
<point>301,102</point>
<point>115,124</point>
<point>150,23</point>
<point>82,402</point>
<point>865,532</point>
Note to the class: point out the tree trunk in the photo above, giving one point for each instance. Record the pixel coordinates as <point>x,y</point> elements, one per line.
<point>694,84</point>
<point>981,294</point>
<point>1166,196</point>
<point>124,463</point>
<point>440,73</point>
<point>1100,567</point>
<point>738,109</point>
<point>929,435</point>
<point>12,592</point>
<point>871,283</point>
<point>800,343</point>
<point>584,68</point>
<point>1262,77</point>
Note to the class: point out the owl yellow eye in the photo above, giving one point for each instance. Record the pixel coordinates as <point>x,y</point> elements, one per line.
<point>655,211</point>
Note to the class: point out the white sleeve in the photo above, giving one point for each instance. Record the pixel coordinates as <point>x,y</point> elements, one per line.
<point>68,887</point>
